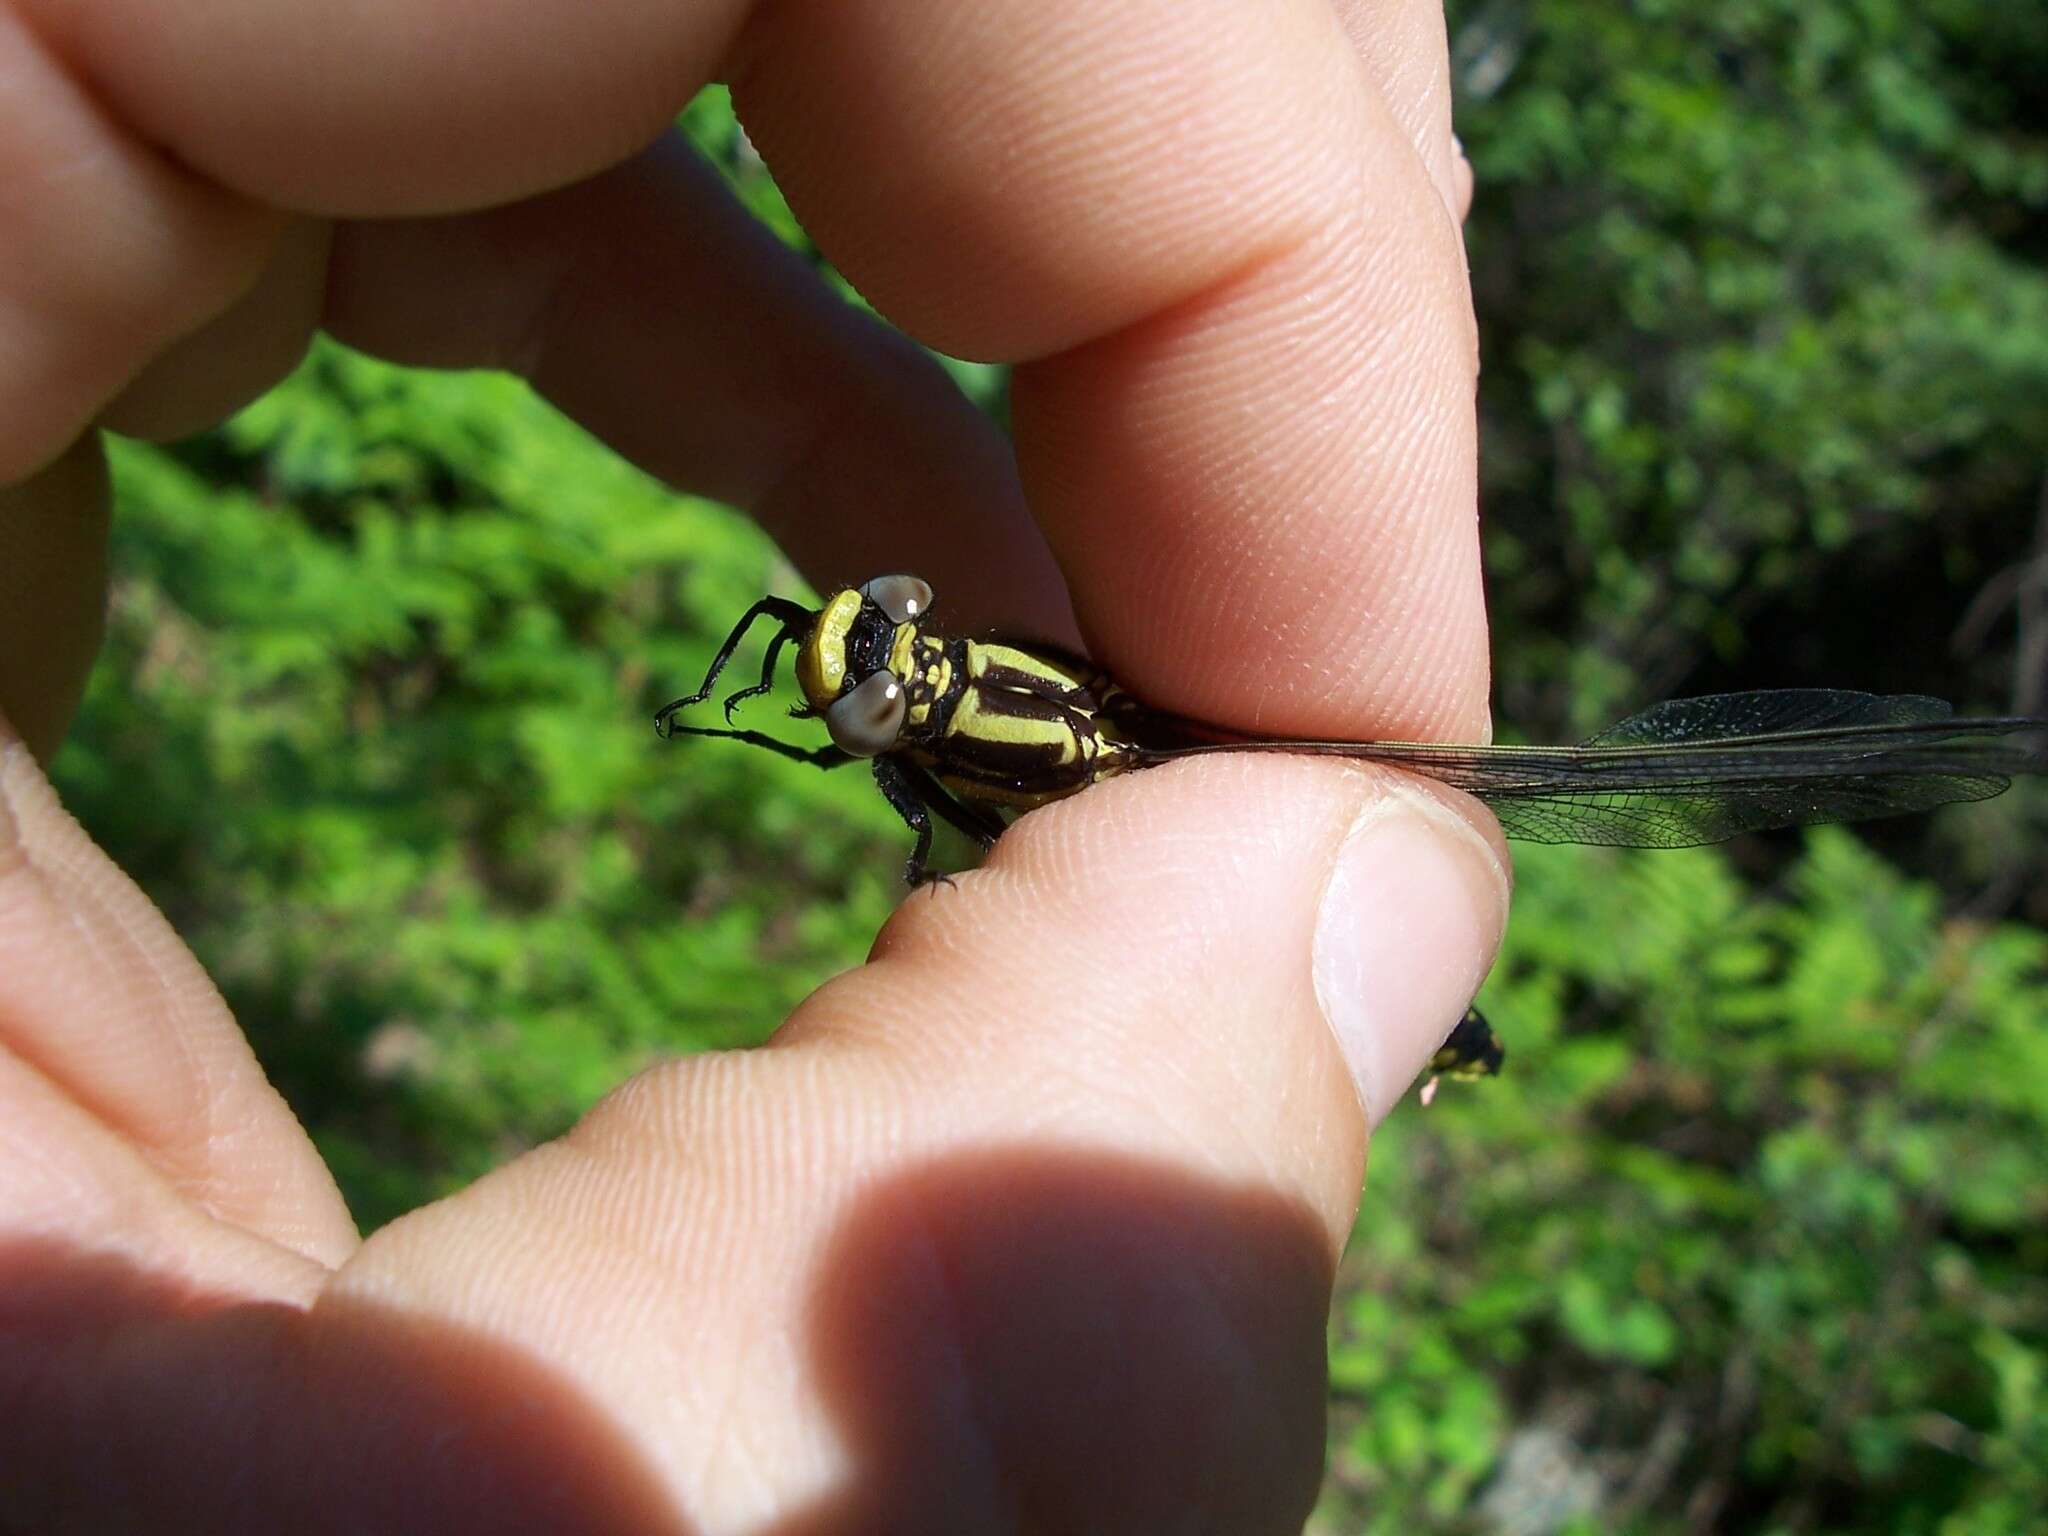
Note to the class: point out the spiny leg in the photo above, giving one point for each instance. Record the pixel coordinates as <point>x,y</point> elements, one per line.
<point>782,637</point>
<point>817,757</point>
<point>984,827</point>
<point>897,788</point>
<point>792,616</point>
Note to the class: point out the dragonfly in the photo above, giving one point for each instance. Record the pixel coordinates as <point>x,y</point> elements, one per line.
<point>976,731</point>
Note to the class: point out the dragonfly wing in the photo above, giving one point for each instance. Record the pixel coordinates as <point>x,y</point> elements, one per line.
<point>1694,771</point>
<point>1732,716</point>
<point>1673,817</point>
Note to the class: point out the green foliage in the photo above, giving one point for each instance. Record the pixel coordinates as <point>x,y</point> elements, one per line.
<point>1756,1226</point>
<point>374,727</point>
<point>1750,1236</point>
<point>1763,309</point>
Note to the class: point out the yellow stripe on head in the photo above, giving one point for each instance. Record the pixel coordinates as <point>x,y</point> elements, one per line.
<point>821,661</point>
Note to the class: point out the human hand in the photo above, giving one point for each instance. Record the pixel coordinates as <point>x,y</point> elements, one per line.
<point>1030,1222</point>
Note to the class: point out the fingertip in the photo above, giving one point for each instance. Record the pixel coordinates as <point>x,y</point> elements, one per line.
<point>1406,931</point>
<point>1187,946</point>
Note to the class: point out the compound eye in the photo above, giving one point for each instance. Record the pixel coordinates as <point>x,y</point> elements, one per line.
<point>902,598</point>
<point>866,722</point>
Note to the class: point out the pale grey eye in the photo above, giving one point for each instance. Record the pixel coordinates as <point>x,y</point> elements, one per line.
<point>866,722</point>
<point>902,598</point>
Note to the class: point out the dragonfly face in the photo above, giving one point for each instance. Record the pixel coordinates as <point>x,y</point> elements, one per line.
<point>975,730</point>
<point>844,667</point>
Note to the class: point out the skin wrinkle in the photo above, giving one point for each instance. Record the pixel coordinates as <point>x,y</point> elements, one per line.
<point>198,1104</point>
<point>79,896</point>
<point>1446,573</point>
<point>38,1156</point>
<point>915,1063</point>
<point>46,888</point>
<point>737,1458</point>
<point>1121,1100</point>
<point>1403,46</point>
<point>125,1207</point>
<point>645,1247</point>
<point>1258,1162</point>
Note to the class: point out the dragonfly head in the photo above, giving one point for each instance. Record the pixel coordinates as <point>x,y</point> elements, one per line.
<point>842,665</point>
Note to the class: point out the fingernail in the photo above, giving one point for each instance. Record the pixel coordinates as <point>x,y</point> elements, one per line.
<point>1405,935</point>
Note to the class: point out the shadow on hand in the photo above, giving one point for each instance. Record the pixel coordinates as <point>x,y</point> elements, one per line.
<point>163,1409</point>
<point>1066,1343</point>
<point>1014,1342</point>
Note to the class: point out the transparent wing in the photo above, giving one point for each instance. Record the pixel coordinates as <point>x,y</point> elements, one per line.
<point>1724,717</point>
<point>1702,770</point>
<point>1667,816</point>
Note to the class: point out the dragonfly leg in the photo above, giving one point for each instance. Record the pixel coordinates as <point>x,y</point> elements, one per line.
<point>984,826</point>
<point>903,797</point>
<point>817,757</point>
<point>792,616</point>
<point>915,794</point>
<point>782,637</point>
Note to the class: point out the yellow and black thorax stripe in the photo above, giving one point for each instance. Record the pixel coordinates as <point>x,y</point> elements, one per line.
<point>990,722</point>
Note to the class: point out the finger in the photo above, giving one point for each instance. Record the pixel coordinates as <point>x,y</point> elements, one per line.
<point>68,1179</point>
<point>109,250</point>
<point>1251,352</point>
<point>392,107</point>
<point>1407,55</point>
<point>1084,1165</point>
<point>103,1003</point>
<point>653,308</point>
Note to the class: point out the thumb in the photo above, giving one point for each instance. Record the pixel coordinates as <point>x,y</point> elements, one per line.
<point>1036,1212</point>
<point>1234,916</point>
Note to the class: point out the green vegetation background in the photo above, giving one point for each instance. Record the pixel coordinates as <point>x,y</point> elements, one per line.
<point>1751,1237</point>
